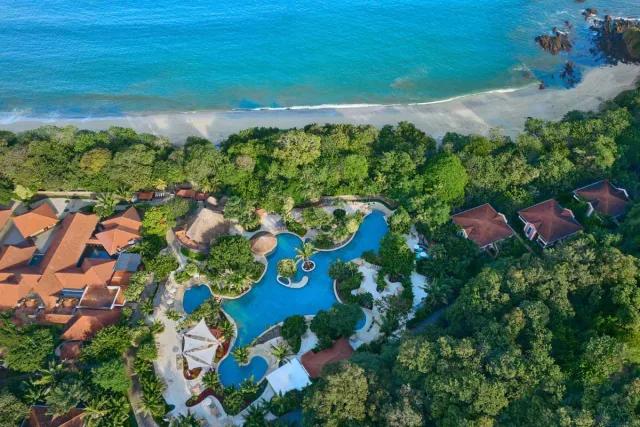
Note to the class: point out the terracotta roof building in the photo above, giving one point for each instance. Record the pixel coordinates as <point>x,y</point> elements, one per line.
<point>36,220</point>
<point>5,214</point>
<point>548,222</point>
<point>39,417</point>
<point>483,225</point>
<point>314,363</point>
<point>86,323</point>
<point>120,231</point>
<point>604,198</point>
<point>189,193</point>
<point>73,279</point>
<point>144,196</point>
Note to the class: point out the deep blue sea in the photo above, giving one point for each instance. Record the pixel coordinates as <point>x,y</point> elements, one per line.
<point>90,58</point>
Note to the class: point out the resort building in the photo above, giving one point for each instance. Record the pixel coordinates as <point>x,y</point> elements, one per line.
<point>548,222</point>
<point>66,269</point>
<point>604,198</point>
<point>314,363</point>
<point>483,225</point>
<point>190,193</point>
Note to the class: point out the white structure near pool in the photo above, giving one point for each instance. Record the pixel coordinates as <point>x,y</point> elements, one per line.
<point>290,376</point>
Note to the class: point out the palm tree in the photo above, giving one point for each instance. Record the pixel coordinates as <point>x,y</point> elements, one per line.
<point>241,355</point>
<point>280,351</point>
<point>211,380</point>
<point>255,415</point>
<point>33,393</point>
<point>49,375</point>
<point>106,204</point>
<point>188,420</point>
<point>228,330</point>
<point>146,307</point>
<point>304,254</point>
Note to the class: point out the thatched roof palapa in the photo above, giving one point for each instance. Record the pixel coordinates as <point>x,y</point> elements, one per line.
<point>262,243</point>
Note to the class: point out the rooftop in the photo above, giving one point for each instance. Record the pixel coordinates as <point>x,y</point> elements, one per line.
<point>604,197</point>
<point>36,220</point>
<point>263,242</point>
<point>86,323</point>
<point>314,363</point>
<point>552,221</point>
<point>39,417</point>
<point>483,225</point>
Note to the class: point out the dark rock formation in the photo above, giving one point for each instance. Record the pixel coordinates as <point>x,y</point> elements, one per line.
<point>618,39</point>
<point>589,12</point>
<point>556,43</point>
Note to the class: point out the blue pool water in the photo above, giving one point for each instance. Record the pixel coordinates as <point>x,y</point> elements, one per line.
<point>194,296</point>
<point>233,374</point>
<point>269,302</point>
<point>108,57</point>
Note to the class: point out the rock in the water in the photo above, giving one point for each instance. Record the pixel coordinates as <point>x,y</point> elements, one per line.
<point>618,38</point>
<point>589,12</point>
<point>556,43</point>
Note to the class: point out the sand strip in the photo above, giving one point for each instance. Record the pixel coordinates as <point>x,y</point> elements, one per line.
<point>476,113</point>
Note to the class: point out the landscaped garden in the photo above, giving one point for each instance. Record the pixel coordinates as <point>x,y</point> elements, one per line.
<point>269,302</point>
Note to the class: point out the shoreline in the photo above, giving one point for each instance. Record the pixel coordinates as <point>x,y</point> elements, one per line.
<point>477,113</point>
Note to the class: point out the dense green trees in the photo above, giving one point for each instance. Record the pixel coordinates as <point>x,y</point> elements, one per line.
<point>293,328</point>
<point>522,339</point>
<point>231,267</point>
<point>25,349</point>
<point>339,321</point>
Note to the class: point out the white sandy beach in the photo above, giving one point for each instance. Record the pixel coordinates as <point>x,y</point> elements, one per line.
<point>476,113</point>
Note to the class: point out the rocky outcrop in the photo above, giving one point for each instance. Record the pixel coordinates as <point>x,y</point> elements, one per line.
<point>556,43</point>
<point>589,12</point>
<point>568,73</point>
<point>618,39</point>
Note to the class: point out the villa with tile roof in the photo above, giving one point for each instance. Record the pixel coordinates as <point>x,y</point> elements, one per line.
<point>483,225</point>
<point>66,271</point>
<point>604,198</point>
<point>548,222</point>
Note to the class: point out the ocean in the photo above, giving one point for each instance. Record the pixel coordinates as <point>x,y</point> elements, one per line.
<point>104,58</point>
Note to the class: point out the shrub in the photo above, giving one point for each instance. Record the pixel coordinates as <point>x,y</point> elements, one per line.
<point>111,375</point>
<point>339,321</point>
<point>295,227</point>
<point>284,403</point>
<point>293,328</point>
<point>287,267</point>
<point>371,257</point>
<point>339,214</point>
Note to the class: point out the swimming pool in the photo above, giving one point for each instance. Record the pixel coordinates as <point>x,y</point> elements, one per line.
<point>269,303</point>
<point>194,297</point>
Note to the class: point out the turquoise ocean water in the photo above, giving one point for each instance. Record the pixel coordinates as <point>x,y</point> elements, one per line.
<point>92,58</point>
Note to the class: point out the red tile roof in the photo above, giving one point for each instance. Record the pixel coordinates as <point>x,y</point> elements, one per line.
<point>145,195</point>
<point>188,193</point>
<point>14,256</point>
<point>87,323</point>
<point>128,219</point>
<point>605,198</point>
<point>70,350</point>
<point>99,296</point>
<point>120,230</point>
<point>65,250</point>
<point>114,239</point>
<point>483,225</point>
<point>315,362</point>
<point>36,220</point>
<point>38,417</point>
<point>5,214</point>
<point>552,221</point>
